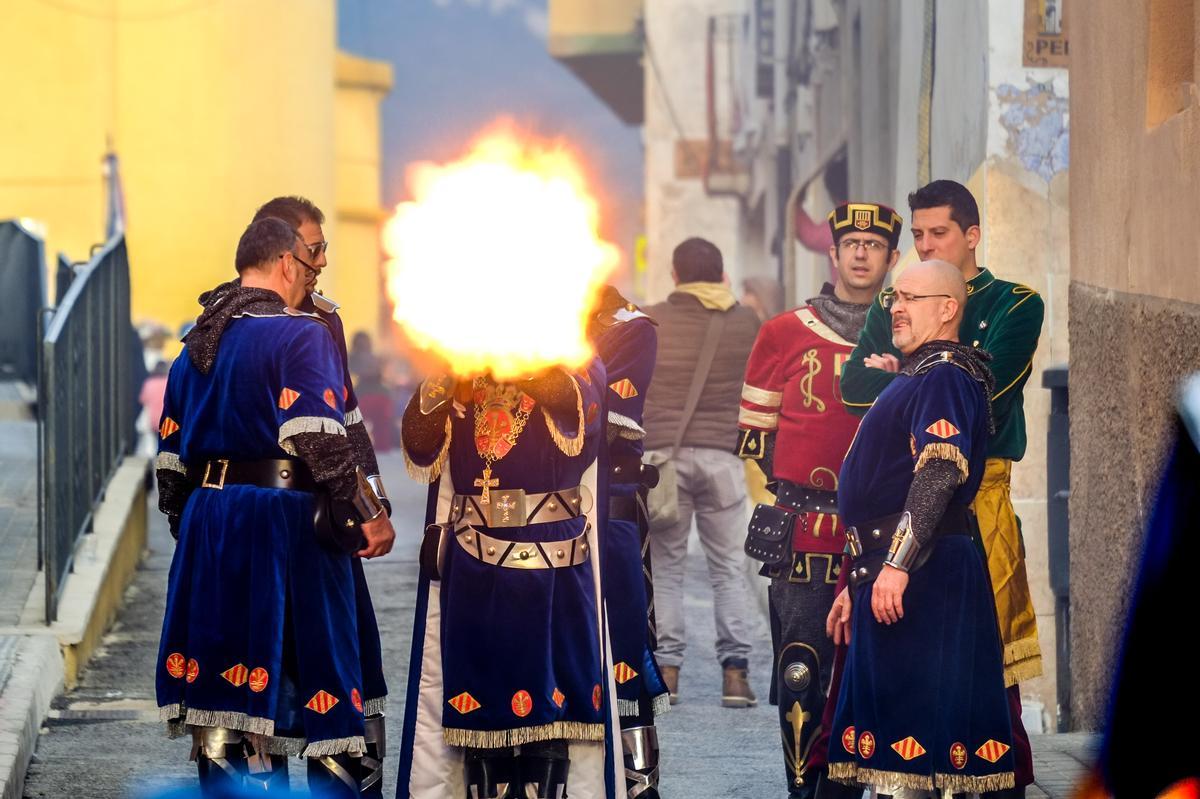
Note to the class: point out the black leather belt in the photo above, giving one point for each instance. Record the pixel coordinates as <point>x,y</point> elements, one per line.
<point>286,473</point>
<point>623,508</point>
<point>629,469</point>
<point>873,539</point>
<point>805,499</point>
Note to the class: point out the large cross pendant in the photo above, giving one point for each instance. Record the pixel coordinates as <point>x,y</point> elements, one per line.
<point>487,483</point>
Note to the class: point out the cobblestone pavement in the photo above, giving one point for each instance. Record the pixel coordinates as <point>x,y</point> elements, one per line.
<point>104,739</point>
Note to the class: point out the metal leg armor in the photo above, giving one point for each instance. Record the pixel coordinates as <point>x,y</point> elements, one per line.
<point>543,768</point>
<point>370,778</point>
<point>641,762</point>
<point>491,773</point>
<point>220,756</point>
<point>800,707</point>
<point>332,776</point>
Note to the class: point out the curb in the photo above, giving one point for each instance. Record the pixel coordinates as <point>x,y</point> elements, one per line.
<point>39,662</point>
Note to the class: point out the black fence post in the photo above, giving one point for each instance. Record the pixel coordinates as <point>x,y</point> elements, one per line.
<point>1058,494</point>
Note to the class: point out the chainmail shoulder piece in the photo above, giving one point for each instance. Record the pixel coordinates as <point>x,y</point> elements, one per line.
<point>970,359</point>
<point>847,319</point>
<point>330,459</point>
<point>220,306</point>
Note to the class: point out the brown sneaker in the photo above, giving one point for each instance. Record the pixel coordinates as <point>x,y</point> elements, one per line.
<point>670,675</point>
<point>735,692</point>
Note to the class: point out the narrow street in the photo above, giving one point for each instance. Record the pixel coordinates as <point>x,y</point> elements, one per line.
<point>103,739</point>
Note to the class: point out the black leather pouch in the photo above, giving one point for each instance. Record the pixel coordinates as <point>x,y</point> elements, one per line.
<point>769,536</point>
<point>337,532</point>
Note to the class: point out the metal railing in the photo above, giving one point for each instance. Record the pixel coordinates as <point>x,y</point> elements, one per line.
<point>86,407</point>
<point>22,285</point>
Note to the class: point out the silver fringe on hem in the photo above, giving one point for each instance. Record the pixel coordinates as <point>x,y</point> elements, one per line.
<point>500,739</point>
<point>179,719</point>
<point>375,706</point>
<point>354,745</point>
<point>661,704</point>
<point>628,707</point>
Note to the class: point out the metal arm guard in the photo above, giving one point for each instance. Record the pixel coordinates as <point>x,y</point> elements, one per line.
<point>641,762</point>
<point>801,705</point>
<point>904,549</point>
<point>367,503</point>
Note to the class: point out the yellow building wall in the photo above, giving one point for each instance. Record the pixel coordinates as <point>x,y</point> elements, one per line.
<point>212,107</point>
<point>355,277</point>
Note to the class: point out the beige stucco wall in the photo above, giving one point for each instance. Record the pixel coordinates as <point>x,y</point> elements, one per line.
<point>1134,305</point>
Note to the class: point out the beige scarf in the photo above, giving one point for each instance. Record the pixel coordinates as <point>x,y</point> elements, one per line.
<point>713,296</point>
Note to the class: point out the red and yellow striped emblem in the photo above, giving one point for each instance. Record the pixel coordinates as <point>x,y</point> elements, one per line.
<point>330,398</point>
<point>356,699</point>
<point>522,704</point>
<point>176,664</point>
<point>558,697</point>
<point>167,427</point>
<point>624,388</point>
<point>345,393</point>
<point>259,679</point>
<point>993,750</point>
<point>322,702</point>
<point>908,748</point>
<point>958,755</point>
<point>866,745</point>
<point>287,397</point>
<point>464,703</point>
<point>623,673</point>
<point>942,429</point>
<point>236,675</point>
<point>596,696</point>
<point>848,738</point>
<point>193,670</point>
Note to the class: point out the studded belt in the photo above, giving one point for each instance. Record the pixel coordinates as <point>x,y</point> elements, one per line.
<point>516,508</point>
<point>869,547</point>
<point>525,555</point>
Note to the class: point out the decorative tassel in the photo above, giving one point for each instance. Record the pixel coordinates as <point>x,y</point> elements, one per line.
<point>427,474</point>
<point>306,424</point>
<point>354,745</point>
<point>661,704</point>
<point>502,739</point>
<point>946,452</point>
<point>569,446</point>
<point>627,707</point>
<point>169,461</point>
<point>375,706</point>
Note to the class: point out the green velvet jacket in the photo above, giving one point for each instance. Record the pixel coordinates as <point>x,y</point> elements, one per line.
<point>1002,318</point>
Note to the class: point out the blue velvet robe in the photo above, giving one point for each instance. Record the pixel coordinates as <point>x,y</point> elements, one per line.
<point>505,656</point>
<point>260,631</point>
<point>922,701</point>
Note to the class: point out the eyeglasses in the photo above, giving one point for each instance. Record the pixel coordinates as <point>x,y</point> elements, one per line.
<point>316,249</point>
<point>309,267</point>
<point>871,245</point>
<point>894,298</point>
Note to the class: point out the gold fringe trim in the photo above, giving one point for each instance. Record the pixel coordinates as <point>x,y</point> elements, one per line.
<point>945,452</point>
<point>962,783</point>
<point>307,424</point>
<point>1023,670</point>
<point>500,739</point>
<point>1025,648</point>
<point>375,707</point>
<point>660,704</point>
<point>852,773</point>
<point>569,446</point>
<point>170,462</point>
<point>627,707</point>
<point>228,718</point>
<point>427,474</point>
<point>354,745</point>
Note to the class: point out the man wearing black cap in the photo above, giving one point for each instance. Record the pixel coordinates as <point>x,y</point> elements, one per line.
<point>793,425</point>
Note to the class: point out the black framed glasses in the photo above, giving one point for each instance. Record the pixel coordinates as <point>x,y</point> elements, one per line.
<point>891,299</point>
<point>309,267</point>
<point>871,245</point>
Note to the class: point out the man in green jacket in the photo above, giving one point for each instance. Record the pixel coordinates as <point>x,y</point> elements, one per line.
<point>1004,319</point>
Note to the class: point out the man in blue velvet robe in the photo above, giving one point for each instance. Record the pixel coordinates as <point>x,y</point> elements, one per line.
<point>922,704</point>
<point>259,656</point>
<point>509,685</point>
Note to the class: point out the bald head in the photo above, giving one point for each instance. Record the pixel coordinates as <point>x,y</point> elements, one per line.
<point>928,304</point>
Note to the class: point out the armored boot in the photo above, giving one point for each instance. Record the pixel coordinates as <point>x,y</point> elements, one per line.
<point>543,769</point>
<point>264,772</point>
<point>370,776</point>
<point>491,773</point>
<point>641,762</point>
<point>801,704</point>
<point>220,755</point>
<point>333,776</point>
